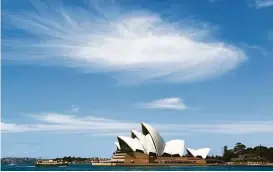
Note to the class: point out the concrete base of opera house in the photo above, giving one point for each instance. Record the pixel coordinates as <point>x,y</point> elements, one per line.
<point>141,159</point>
<point>176,164</point>
<point>149,164</point>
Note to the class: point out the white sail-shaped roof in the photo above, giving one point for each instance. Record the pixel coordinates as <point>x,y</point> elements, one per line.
<point>138,145</point>
<point>203,152</point>
<point>158,141</point>
<point>175,147</point>
<point>149,141</point>
<point>118,146</point>
<point>128,142</point>
<point>138,135</point>
<point>148,144</point>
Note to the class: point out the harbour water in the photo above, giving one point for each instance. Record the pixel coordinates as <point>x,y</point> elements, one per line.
<point>30,167</point>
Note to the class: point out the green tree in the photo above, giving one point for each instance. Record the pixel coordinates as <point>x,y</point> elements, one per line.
<point>228,154</point>
<point>239,148</point>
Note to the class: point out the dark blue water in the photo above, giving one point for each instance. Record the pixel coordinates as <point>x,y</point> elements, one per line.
<point>133,168</point>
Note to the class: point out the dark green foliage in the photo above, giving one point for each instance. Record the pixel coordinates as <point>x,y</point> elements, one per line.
<point>241,153</point>
<point>70,159</point>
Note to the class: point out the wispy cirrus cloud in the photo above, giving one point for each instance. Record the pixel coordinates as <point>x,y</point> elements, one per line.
<point>64,123</point>
<point>173,103</point>
<point>263,3</point>
<point>135,43</point>
<point>257,49</point>
<point>255,3</point>
<point>56,122</point>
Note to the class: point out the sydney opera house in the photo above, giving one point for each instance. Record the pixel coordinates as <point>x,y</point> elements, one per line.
<point>149,148</point>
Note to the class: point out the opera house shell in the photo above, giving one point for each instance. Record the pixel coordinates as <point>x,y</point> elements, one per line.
<point>203,152</point>
<point>150,142</point>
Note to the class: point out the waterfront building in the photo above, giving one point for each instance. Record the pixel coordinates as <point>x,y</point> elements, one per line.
<point>149,148</point>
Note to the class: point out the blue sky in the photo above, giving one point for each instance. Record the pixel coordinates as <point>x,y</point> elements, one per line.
<point>75,74</point>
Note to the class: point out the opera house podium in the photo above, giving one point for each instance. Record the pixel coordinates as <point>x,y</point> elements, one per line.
<point>149,148</point>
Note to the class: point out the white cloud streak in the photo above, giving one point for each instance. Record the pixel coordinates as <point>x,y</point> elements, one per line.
<point>264,3</point>
<point>174,103</point>
<point>138,44</point>
<point>254,3</point>
<point>63,123</point>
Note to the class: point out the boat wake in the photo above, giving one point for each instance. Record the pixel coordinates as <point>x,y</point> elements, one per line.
<point>28,166</point>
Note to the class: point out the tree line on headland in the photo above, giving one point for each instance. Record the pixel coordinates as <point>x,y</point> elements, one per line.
<point>79,159</point>
<point>242,153</point>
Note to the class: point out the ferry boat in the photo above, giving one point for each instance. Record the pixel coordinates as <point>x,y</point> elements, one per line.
<point>41,163</point>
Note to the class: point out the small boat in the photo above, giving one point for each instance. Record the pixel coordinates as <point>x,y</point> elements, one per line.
<point>53,163</point>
